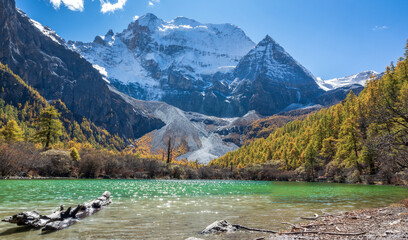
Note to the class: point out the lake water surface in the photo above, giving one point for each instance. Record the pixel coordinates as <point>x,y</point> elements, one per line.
<point>161,209</point>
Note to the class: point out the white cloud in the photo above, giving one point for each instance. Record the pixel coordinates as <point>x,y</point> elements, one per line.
<point>78,5</point>
<point>379,28</point>
<point>74,5</point>
<point>152,3</point>
<point>135,18</point>
<point>107,6</point>
<point>55,3</point>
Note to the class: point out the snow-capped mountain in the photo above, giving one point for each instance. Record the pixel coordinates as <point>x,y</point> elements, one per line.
<point>359,78</point>
<point>152,56</point>
<point>268,80</point>
<point>269,60</point>
<point>214,69</point>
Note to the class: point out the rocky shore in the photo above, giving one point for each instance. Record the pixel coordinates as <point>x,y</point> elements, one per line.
<point>381,223</point>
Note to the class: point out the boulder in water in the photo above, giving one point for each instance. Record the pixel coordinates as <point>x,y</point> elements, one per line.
<point>219,226</point>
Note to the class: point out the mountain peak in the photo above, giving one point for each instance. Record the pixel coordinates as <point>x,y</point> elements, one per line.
<point>270,60</point>
<point>109,33</point>
<point>185,21</point>
<point>148,20</point>
<point>266,41</point>
<point>268,38</point>
<point>148,16</point>
<point>102,40</point>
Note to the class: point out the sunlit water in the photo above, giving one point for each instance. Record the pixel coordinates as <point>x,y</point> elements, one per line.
<point>149,209</point>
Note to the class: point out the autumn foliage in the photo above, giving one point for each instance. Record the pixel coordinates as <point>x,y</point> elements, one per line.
<point>364,135</point>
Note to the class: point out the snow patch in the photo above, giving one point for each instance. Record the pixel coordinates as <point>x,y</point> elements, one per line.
<point>102,71</point>
<point>116,62</point>
<point>225,69</point>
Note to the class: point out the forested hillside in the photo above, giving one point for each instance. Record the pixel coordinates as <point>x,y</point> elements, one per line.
<point>364,135</point>
<point>262,128</point>
<point>41,138</point>
<point>23,104</point>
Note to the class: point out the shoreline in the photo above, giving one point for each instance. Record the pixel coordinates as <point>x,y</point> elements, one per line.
<point>389,222</point>
<point>103,178</point>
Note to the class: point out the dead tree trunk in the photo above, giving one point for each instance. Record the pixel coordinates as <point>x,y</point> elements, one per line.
<point>62,218</point>
<point>169,150</point>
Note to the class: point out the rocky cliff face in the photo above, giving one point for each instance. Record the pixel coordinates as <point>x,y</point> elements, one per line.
<point>213,69</point>
<point>41,58</point>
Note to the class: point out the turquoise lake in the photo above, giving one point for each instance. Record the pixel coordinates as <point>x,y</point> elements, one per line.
<point>167,209</point>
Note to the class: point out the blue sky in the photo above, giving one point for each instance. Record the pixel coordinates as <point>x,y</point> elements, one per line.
<point>332,38</point>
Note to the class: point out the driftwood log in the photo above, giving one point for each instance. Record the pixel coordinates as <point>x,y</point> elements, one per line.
<point>62,218</point>
<point>225,226</point>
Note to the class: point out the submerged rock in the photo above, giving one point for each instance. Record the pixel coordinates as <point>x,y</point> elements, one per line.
<point>219,226</point>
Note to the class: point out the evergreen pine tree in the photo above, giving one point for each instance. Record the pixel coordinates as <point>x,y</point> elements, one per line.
<point>49,127</point>
<point>349,143</point>
<point>12,132</point>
